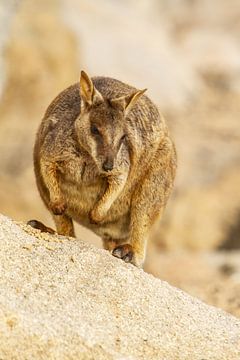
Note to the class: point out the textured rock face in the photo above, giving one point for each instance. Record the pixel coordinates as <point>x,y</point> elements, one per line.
<point>63,299</point>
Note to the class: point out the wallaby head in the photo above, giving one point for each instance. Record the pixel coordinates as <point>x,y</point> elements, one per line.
<point>100,127</point>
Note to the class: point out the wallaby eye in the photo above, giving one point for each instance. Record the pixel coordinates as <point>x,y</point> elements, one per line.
<point>94,130</point>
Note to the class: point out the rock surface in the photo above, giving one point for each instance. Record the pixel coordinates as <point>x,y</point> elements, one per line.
<point>63,299</point>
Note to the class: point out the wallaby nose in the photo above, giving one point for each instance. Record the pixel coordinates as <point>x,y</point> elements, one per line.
<point>108,165</point>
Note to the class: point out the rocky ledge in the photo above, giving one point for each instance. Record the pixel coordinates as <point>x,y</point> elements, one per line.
<point>61,298</point>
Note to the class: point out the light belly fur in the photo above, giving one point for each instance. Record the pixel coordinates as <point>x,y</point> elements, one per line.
<point>81,200</point>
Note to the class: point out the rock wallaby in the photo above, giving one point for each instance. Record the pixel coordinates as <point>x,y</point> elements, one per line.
<point>103,157</point>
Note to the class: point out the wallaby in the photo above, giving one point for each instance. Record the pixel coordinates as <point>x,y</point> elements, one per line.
<point>103,157</point>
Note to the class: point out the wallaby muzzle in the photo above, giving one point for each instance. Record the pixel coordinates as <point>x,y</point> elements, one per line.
<point>108,164</point>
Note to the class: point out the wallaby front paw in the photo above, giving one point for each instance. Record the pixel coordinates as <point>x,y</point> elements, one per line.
<point>58,207</point>
<point>127,254</point>
<point>96,216</point>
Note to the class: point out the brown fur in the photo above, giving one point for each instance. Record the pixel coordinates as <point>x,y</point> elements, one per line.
<point>104,123</point>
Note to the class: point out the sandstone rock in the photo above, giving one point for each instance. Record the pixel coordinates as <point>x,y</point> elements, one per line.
<point>63,299</point>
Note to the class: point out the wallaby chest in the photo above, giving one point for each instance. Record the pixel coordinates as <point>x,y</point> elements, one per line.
<point>83,187</point>
<point>80,184</point>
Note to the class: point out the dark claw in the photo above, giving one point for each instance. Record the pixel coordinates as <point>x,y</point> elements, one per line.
<point>128,257</point>
<point>124,252</point>
<point>40,226</point>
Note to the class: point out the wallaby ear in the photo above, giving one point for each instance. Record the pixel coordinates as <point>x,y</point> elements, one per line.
<point>132,99</point>
<point>127,102</point>
<point>89,94</point>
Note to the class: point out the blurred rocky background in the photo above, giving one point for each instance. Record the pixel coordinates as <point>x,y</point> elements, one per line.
<point>187,53</point>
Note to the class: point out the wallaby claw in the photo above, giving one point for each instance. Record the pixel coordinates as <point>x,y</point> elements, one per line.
<point>124,252</point>
<point>40,226</point>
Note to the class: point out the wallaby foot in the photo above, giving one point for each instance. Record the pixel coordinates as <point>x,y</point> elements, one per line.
<point>127,253</point>
<point>124,252</point>
<point>40,226</point>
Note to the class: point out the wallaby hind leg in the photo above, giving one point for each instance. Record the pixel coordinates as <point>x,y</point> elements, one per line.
<point>148,203</point>
<point>64,225</point>
<point>134,250</point>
